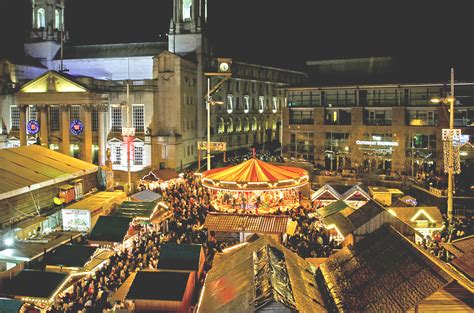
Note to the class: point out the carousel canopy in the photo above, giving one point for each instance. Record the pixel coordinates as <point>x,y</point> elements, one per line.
<point>255,174</point>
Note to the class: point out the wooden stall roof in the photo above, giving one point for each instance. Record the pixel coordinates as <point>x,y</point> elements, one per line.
<point>410,214</point>
<point>70,256</point>
<point>326,192</point>
<point>158,285</point>
<point>146,195</point>
<point>33,167</point>
<point>183,257</point>
<point>231,284</point>
<point>383,272</point>
<point>333,208</point>
<point>98,200</point>
<point>36,284</point>
<point>110,229</point>
<point>234,222</point>
<point>164,174</point>
<point>463,250</point>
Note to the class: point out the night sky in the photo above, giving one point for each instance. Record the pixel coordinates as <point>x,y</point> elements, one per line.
<point>281,33</point>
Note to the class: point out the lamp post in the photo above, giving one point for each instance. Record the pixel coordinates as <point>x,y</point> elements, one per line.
<point>450,169</point>
<point>128,134</point>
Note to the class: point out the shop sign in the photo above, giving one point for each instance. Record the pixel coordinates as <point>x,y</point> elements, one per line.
<point>377,143</point>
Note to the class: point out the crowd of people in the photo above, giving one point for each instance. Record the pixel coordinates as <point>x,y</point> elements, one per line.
<point>190,204</point>
<point>263,155</point>
<point>456,229</point>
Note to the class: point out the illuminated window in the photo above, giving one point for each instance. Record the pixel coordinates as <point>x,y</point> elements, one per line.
<point>274,105</point>
<point>74,112</point>
<point>254,124</point>
<point>238,124</point>
<point>138,155</point>
<point>187,7</point>
<point>230,103</point>
<point>246,124</point>
<point>116,118</point>
<point>33,115</point>
<point>14,117</point>
<point>54,118</point>
<point>57,19</point>
<point>261,104</point>
<point>40,18</point>
<point>246,104</point>
<point>117,155</point>
<point>221,126</point>
<point>274,125</point>
<point>230,125</point>
<point>139,117</point>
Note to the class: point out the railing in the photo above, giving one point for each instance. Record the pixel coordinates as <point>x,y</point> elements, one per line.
<point>377,122</point>
<point>304,121</point>
<point>339,121</point>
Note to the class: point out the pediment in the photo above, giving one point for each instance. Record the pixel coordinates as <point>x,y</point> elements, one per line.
<point>52,81</point>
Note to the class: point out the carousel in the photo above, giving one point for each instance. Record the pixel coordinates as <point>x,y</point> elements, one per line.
<point>255,185</point>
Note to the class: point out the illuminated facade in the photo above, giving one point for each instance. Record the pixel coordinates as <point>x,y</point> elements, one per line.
<point>376,127</point>
<point>166,88</point>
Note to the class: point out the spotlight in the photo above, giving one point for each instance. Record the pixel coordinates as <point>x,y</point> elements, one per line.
<point>8,241</point>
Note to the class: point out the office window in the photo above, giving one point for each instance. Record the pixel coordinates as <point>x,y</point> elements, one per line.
<point>230,125</point>
<point>40,18</point>
<point>138,155</point>
<point>116,118</point>
<point>74,112</point>
<point>139,118</point>
<point>53,118</point>
<point>254,124</point>
<point>33,115</point>
<point>274,105</point>
<point>15,117</point>
<point>57,19</point>
<point>117,155</point>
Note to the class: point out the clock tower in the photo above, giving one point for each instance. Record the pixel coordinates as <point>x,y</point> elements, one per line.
<point>47,30</point>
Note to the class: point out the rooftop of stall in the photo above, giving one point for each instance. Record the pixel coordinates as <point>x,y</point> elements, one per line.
<point>146,196</point>
<point>183,257</point>
<point>110,229</point>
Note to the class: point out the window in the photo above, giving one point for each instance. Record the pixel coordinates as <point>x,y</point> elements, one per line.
<point>54,118</point>
<point>254,124</point>
<point>116,118</point>
<point>303,117</point>
<point>337,117</point>
<point>187,6</point>
<point>189,151</point>
<point>237,86</point>
<point>33,115</point>
<point>138,155</point>
<point>74,112</point>
<point>229,103</point>
<point>117,155</point>
<point>230,125</point>
<point>15,117</point>
<point>95,120</point>
<point>237,103</point>
<point>221,126</point>
<point>238,124</point>
<point>40,18</point>
<point>246,124</point>
<point>57,19</point>
<point>139,117</point>
<point>274,105</point>
<point>246,104</point>
<point>261,104</point>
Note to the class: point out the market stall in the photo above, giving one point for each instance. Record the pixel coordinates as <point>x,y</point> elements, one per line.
<point>182,257</point>
<point>110,230</point>
<point>255,185</point>
<point>159,179</point>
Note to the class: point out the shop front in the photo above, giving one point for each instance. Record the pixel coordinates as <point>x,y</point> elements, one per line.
<point>377,153</point>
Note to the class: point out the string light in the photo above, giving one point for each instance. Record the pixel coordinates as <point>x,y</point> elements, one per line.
<point>451,145</point>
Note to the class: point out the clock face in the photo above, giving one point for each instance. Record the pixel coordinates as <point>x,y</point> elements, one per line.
<point>224,67</point>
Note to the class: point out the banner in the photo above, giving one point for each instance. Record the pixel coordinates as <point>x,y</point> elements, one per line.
<point>76,220</point>
<point>215,145</point>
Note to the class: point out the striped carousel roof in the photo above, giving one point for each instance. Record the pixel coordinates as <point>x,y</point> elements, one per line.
<point>255,174</point>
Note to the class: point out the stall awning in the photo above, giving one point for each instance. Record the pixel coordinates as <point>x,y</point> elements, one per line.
<point>158,285</point>
<point>36,284</point>
<point>228,222</point>
<point>110,229</point>
<point>32,167</point>
<point>136,209</point>
<point>70,256</point>
<point>183,257</point>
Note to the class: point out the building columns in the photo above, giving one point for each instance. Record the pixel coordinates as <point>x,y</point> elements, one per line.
<point>86,149</point>
<point>65,140</point>
<point>102,119</point>
<point>44,125</point>
<point>23,139</point>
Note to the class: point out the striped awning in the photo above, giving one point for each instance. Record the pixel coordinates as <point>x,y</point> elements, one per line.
<point>255,174</point>
<point>260,224</point>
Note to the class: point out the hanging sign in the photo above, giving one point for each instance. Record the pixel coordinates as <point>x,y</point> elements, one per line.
<point>76,127</point>
<point>33,127</point>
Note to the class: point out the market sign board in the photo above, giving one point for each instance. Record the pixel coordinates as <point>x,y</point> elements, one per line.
<point>377,143</point>
<point>76,220</point>
<point>215,145</point>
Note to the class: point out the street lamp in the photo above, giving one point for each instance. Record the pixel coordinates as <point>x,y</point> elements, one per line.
<point>128,134</point>
<point>450,142</point>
